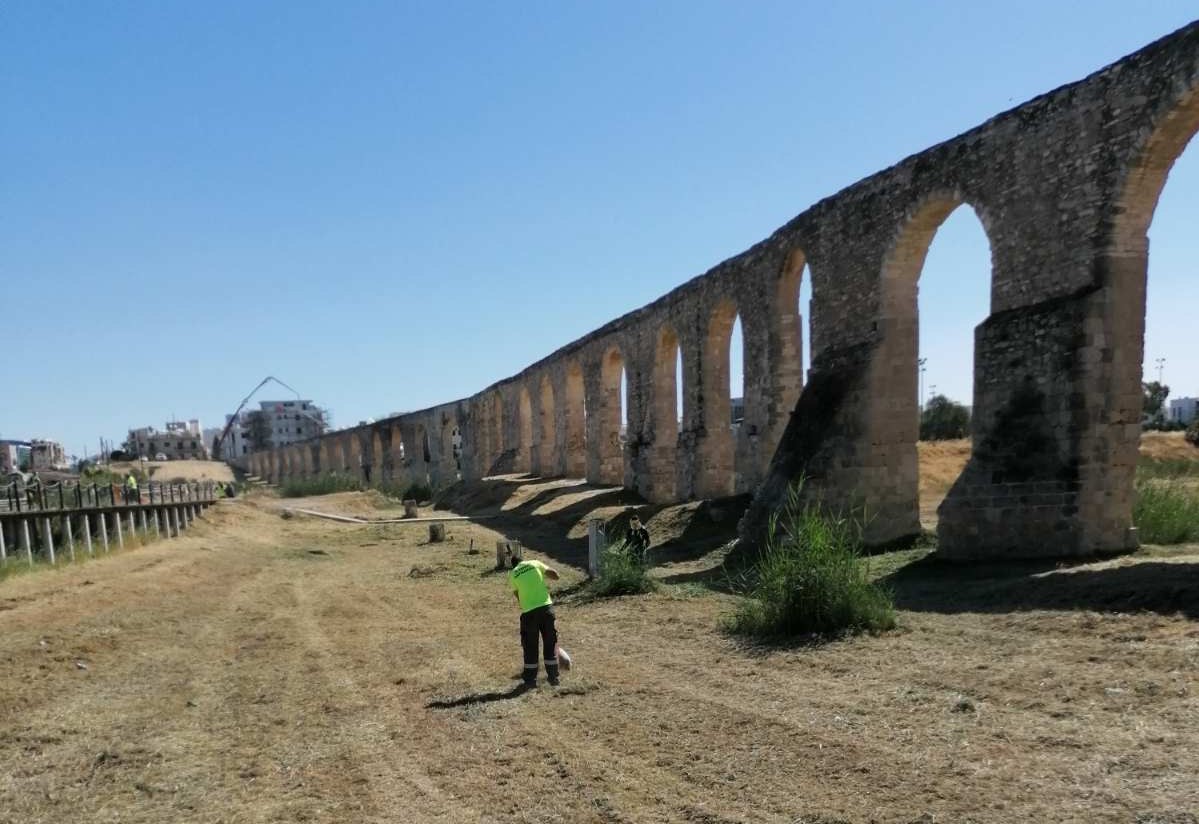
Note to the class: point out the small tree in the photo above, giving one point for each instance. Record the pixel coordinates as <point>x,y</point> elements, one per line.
<point>1192,433</point>
<point>258,429</point>
<point>944,420</point>
<point>1153,406</point>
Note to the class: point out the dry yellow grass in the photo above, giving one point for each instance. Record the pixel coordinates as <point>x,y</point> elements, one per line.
<point>941,462</point>
<point>262,669</point>
<point>188,470</point>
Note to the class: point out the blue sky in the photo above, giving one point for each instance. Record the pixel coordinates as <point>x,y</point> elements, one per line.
<point>389,206</point>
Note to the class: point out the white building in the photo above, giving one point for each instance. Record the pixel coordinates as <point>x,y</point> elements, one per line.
<point>293,421</point>
<point>1183,410</point>
<point>288,421</point>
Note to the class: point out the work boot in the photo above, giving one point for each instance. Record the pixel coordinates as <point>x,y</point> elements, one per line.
<point>551,673</point>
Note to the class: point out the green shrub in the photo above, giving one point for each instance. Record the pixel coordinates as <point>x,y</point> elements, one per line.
<point>622,571</point>
<point>320,485</point>
<point>1192,433</point>
<point>1166,512</point>
<point>811,579</point>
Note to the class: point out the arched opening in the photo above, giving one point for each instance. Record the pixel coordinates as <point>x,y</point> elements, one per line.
<point>524,454</point>
<point>665,414</point>
<point>323,456</point>
<point>547,447</point>
<point>715,477</point>
<point>1147,321</point>
<point>574,419</point>
<point>793,319</point>
<point>613,389</point>
<point>936,291</point>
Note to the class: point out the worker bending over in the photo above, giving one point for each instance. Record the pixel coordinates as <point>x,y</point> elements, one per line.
<point>527,580</point>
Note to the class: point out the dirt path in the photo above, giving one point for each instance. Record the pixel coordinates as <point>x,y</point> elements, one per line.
<point>262,669</point>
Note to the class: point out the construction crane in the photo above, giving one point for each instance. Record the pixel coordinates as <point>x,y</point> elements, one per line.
<point>220,439</point>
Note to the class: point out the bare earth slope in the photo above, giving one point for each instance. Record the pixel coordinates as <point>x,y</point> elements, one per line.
<point>283,670</point>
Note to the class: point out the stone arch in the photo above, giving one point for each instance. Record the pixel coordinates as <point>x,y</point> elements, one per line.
<point>894,420</point>
<point>611,418</point>
<point>1105,505</point>
<point>325,459</point>
<point>546,457</point>
<point>524,453</point>
<point>574,420</point>
<point>716,465</point>
<point>664,417</point>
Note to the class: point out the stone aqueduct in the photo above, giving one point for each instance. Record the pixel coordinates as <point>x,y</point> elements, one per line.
<point>1065,187</point>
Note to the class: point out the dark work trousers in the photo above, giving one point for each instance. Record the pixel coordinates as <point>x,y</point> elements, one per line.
<point>535,624</point>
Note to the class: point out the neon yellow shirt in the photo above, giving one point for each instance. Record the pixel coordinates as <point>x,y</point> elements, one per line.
<point>528,582</point>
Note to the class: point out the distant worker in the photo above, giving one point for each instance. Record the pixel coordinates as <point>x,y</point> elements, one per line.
<point>131,496</point>
<point>638,539</point>
<point>527,579</point>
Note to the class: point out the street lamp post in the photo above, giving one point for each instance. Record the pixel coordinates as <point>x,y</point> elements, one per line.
<point>1161,365</point>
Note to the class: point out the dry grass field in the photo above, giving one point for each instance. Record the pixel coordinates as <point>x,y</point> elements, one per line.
<point>272,669</point>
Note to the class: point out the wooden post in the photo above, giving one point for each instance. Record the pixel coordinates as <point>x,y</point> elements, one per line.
<point>145,528</point>
<point>436,533</point>
<point>104,530</point>
<point>172,522</point>
<point>28,544</point>
<point>157,530</point>
<point>66,522</point>
<point>48,539</point>
<point>87,533</point>
<point>3,546</point>
<point>132,525</point>
<point>116,518</point>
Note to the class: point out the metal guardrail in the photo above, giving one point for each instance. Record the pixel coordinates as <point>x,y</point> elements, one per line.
<point>65,496</point>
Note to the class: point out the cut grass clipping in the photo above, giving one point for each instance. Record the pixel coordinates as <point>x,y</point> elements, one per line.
<point>622,571</point>
<point>1166,512</point>
<point>811,580</point>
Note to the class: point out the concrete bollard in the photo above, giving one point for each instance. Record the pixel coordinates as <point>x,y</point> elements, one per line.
<point>48,539</point>
<point>410,509</point>
<point>436,533</point>
<point>506,551</point>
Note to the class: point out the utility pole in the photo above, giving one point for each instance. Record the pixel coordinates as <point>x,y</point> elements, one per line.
<point>921,363</point>
<point>1161,364</point>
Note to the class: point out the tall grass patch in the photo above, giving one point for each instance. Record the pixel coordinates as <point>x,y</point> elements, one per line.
<point>1166,512</point>
<point>811,580</point>
<point>622,571</point>
<point>320,485</point>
